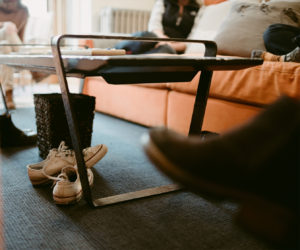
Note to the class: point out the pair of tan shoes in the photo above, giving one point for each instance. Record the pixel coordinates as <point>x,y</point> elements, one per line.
<point>60,167</point>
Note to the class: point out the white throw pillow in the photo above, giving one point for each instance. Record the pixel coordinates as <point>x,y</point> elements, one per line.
<point>242,30</point>
<point>211,18</point>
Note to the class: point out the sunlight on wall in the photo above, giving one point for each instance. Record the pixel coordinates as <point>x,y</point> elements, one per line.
<point>36,7</point>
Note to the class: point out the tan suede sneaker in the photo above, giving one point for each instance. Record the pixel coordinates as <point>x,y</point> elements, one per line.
<point>67,188</point>
<point>62,157</point>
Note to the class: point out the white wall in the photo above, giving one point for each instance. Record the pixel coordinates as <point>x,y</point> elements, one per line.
<point>130,4</point>
<point>78,16</point>
<point>83,16</point>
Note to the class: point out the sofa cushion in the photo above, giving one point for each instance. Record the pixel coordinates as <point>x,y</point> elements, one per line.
<point>257,85</point>
<point>220,115</point>
<point>242,30</point>
<point>211,2</point>
<point>210,20</point>
<point>147,106</point>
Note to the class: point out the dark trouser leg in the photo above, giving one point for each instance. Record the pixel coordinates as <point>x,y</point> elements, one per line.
<point>162,49</point>
<point>281,39</point>
<point>137,47</point>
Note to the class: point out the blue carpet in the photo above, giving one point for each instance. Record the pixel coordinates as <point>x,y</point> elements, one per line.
<point>178,220</point>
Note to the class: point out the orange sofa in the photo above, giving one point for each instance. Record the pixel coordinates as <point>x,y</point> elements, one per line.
<point>234,97</point>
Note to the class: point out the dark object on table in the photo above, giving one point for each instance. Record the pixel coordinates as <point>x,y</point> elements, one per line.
<point>52,126</point>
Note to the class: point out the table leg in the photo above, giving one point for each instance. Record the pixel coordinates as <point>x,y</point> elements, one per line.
<point>72,123</point>
<point>200,102</point>
<point>74,132</point>
<point>202,92</point>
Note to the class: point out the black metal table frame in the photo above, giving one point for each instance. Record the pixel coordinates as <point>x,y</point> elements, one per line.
<point>129,70</point>
<point>195,126</point>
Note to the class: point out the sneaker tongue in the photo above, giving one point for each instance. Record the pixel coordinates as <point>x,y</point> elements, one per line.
<point>70,174</point>
<point>51,153</point>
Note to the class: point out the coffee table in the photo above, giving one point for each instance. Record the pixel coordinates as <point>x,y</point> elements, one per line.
<point>128,69</point>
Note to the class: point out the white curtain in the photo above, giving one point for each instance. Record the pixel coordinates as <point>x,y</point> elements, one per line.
<point>58,8</point>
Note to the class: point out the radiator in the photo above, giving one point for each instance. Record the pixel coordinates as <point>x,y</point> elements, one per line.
<point>127,21</point>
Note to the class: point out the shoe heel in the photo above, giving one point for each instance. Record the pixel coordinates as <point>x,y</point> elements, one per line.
<point>67,200</point>
<point>268,220</point>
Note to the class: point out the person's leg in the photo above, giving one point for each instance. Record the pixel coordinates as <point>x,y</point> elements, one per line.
<point>282,43</point>
<point>293,56</point>
<point>166,49</point>
<point>137,47</point>
<point>279,39</point>
<point>297,40</point>
<point>257,164</point>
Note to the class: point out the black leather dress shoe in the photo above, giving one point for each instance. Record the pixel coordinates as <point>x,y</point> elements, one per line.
<point>256,164</point>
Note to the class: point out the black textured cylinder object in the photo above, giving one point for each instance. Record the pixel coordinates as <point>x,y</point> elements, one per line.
<point>51,122</point>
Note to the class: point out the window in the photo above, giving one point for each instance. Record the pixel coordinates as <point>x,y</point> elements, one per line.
<point>39,27</point>
<point>36,7</point>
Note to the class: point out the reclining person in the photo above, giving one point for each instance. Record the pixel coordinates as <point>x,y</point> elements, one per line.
<point>169,19</point>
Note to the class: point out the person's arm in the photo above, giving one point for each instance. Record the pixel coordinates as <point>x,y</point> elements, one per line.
<point>155,21</point>
<point>181,47</point>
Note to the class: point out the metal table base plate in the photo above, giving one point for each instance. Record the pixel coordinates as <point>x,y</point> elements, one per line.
<point>110,200</point>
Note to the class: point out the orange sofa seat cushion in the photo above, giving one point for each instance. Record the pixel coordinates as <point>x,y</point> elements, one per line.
<point>220,115</point>
<point>258,85</point>
<point>147,106</point>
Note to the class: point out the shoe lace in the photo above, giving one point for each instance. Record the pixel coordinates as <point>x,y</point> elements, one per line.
<point>85,151</point>
<point>62,150</point>
<point>62,176</point>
